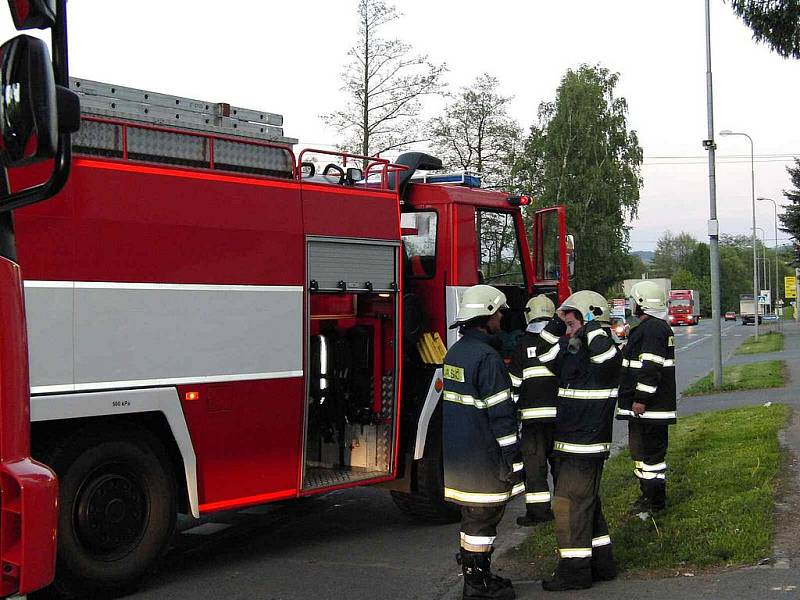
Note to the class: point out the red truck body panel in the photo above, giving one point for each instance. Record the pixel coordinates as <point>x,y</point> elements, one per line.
<point>28,516</point>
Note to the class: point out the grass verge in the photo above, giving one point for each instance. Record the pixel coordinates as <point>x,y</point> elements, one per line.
<point>751,376</point>
<point>768,342</point>
<point>721,486</point>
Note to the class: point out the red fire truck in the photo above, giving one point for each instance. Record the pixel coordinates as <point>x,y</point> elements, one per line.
<point>38,113</point>
<point>216,322</point>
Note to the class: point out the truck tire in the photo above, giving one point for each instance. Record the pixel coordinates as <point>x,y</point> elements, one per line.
<point>428,503</point>
<point>117,509</point>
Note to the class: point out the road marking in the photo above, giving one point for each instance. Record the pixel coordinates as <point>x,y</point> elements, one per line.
<point>703,338</point>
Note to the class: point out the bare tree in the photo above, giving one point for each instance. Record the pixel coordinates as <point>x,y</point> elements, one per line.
<point>384,83</point>
<point>476,133</point>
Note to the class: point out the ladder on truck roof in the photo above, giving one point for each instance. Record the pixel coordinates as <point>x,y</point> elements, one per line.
<point>128,139</point>
<point>109,100</point>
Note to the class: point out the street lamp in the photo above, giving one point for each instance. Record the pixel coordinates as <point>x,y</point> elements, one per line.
<point>764,283</point>
<point>777,281</point>
<point>753,191</point>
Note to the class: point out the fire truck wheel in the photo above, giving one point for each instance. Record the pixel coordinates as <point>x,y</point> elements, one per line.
<point>428,503</point>
<point>118,509</point>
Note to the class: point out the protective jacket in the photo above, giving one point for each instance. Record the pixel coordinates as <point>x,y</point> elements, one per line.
<point>535,386</point>
<point>648,372</point>
<point>588,369</point>
<point>482,461</point>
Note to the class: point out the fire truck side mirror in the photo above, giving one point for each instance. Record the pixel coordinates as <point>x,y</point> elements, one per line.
<point>28,107</point>
<point>353,175</point>
<point>33,14</point>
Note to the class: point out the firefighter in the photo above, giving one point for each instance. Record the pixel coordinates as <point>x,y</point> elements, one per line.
<point>535,389</point>
<point>647,393</point>
<point>587,364</point>
<point>482,462</point>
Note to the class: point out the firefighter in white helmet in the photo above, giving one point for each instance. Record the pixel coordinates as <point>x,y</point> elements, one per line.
<point>535,388</point>
<point>587,365</point>
<point>647,398</point>
<point>482,462</point>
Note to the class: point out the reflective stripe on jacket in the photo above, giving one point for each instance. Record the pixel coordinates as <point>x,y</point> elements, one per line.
<point>535,386</point>
<point>648,373</point>
<point>587,393</point>
<point>479,427</point>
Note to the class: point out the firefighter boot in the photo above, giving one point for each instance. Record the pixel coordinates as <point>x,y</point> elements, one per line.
<point>479,582</point>
<point>535,516</point>
<point>570,574</point>
<point>604,567</point>
<point>653,498</point>
<point>659,494</point>
<point>644,502</point>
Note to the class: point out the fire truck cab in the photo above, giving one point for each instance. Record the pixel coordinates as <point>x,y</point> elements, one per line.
<point>215,322</point>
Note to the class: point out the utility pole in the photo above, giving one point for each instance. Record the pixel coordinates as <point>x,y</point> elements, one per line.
<point>713,224</point>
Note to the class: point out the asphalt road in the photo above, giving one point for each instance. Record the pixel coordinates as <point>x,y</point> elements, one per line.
<point>351,544</point>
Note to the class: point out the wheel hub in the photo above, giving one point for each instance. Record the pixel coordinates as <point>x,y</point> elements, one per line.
<point>111,512</point>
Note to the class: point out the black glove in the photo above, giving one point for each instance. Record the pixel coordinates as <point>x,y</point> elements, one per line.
<point>511,476</point>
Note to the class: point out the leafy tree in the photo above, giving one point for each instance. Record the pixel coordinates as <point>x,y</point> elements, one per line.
<point>384,83</point>
<point>776,22</point>
<point>475,132</point>
<point>790,219</point>
<point>672,253</point>
<point>582,154</point>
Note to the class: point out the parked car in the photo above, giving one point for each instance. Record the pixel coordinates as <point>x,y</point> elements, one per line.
<point>730,316</point>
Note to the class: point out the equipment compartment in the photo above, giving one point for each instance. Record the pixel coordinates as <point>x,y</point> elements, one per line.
<point>351,404</point>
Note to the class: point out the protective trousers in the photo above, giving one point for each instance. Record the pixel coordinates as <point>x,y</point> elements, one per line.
<point>537,452</point>
<point>648,446</point>
<point>581,528</point>
<point>479,526</point>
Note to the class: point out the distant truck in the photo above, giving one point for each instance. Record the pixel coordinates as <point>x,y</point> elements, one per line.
<point>747,309</point>
<point>684,307</point>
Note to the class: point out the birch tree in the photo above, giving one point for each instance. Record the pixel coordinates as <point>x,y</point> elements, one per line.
<point>384,82</point>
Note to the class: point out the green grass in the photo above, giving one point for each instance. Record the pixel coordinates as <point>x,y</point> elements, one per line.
<point>721,485</point>
<point>767,342</point>
<point>751,376</point>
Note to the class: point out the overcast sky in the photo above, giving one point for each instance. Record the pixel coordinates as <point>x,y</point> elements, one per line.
<point>287,57</point>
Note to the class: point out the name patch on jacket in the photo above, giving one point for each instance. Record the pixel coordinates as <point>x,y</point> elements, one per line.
<point>454,373</point>
<point>532,352</point>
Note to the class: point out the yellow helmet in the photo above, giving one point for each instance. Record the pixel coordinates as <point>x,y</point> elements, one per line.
<point>479,301</point>
<point>539,307</point>
<point>591,305</point>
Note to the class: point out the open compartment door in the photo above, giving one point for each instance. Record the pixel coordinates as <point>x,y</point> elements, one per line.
<point>351,416</point>
<point>553,253</point>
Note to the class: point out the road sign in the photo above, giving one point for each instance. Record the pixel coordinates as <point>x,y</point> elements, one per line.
<point>790,285</point>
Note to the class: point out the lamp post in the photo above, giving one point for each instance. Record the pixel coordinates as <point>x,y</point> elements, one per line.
<point>713,224</point>
<point>753,192</point>
<point>765,284</point>
<point>777,281</point>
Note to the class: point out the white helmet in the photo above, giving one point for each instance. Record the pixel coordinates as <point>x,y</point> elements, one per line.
<point>539,307</point>
<point>651,297</point>
<point>591,306</point>
<point>479,301</point>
